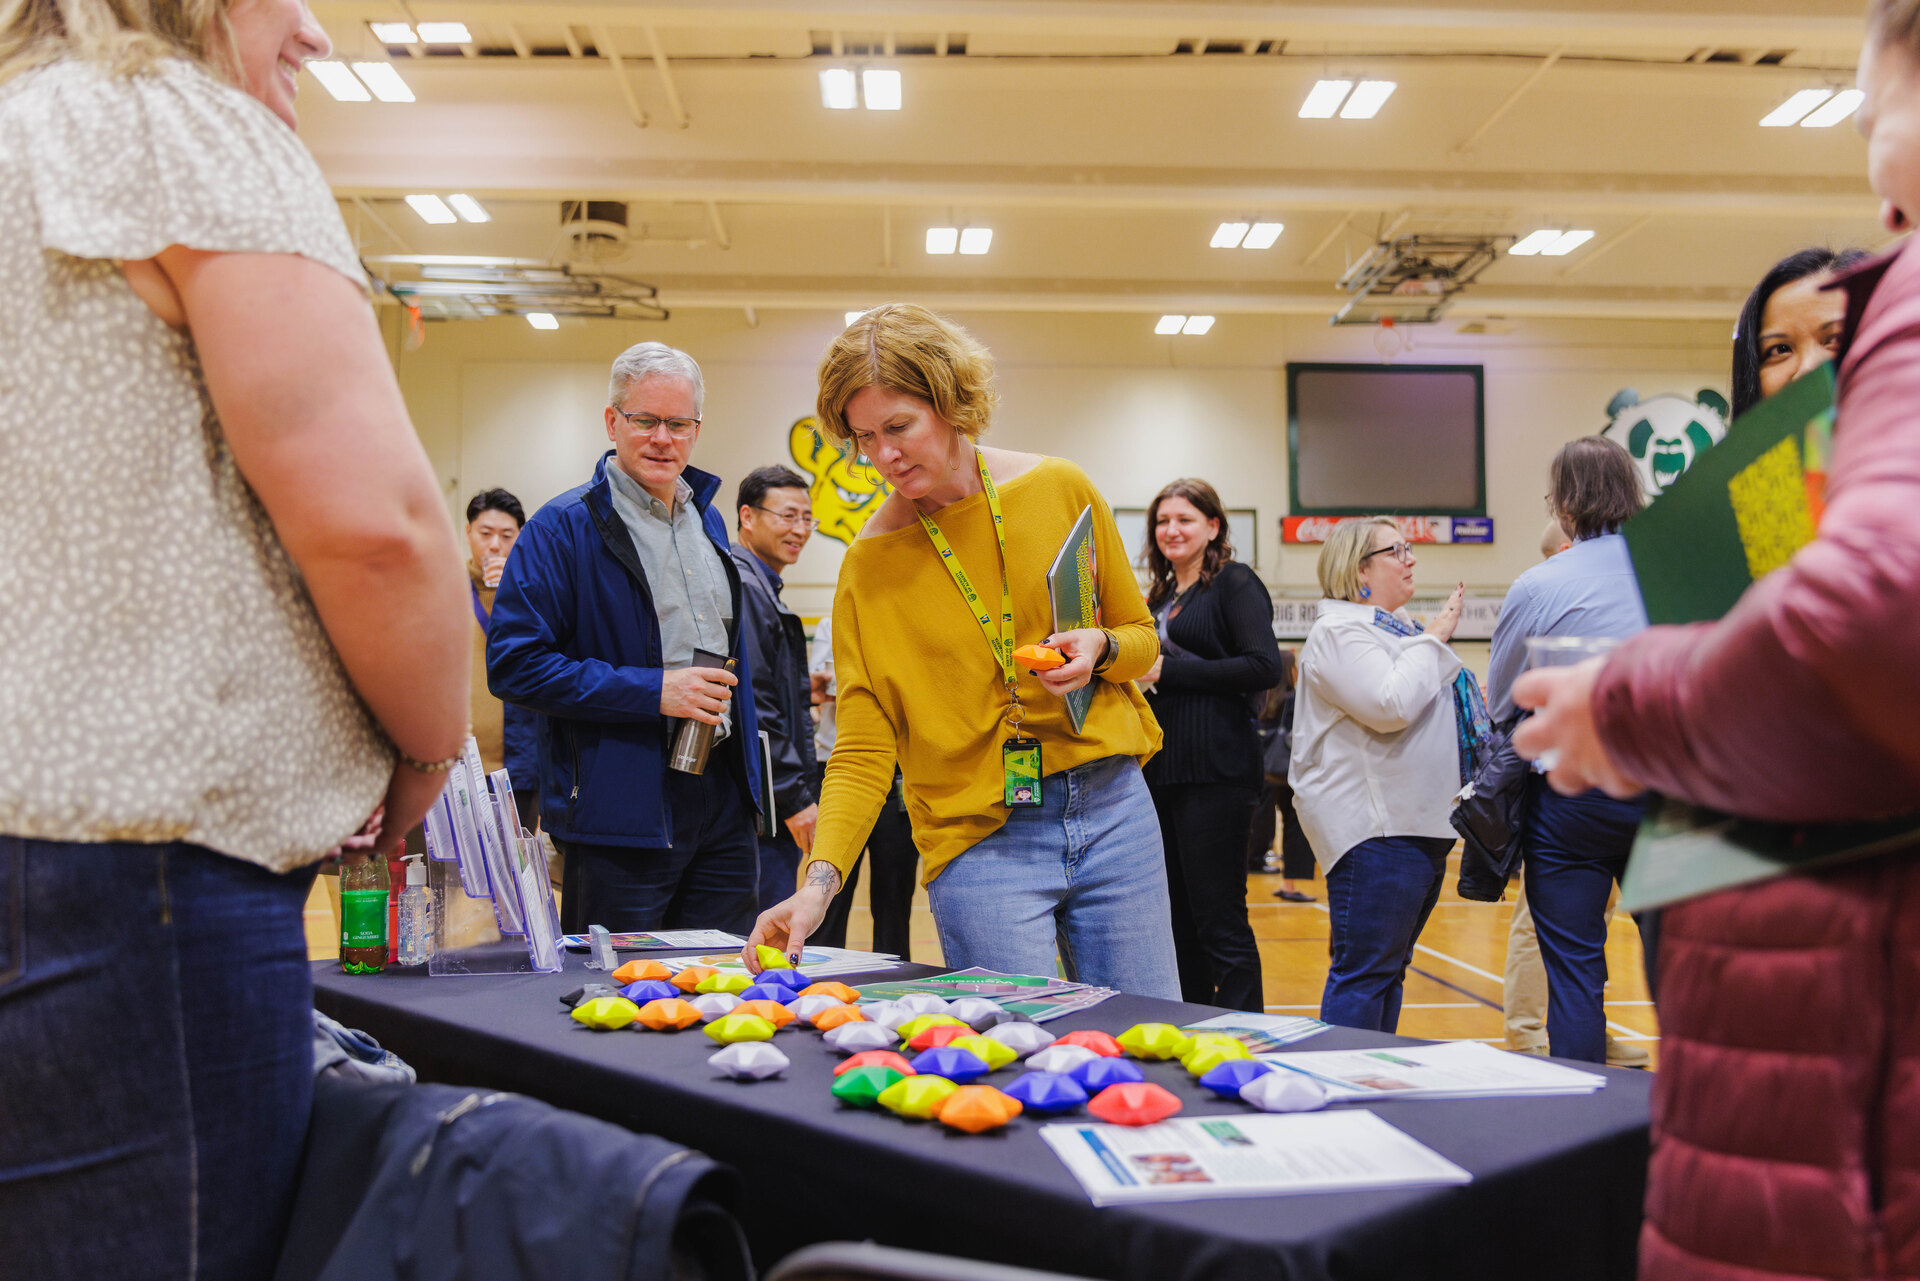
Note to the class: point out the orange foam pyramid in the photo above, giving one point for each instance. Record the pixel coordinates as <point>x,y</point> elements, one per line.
<point>669,1012</point>
<point>635,971</point>
<point>975,1108</point>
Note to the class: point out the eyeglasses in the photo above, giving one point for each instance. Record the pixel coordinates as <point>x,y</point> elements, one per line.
<point>795,520</point>
<point>1402,552</point>
<point>647,424</point>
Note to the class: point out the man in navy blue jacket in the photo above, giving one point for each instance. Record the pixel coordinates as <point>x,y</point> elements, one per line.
<point>609,593</point>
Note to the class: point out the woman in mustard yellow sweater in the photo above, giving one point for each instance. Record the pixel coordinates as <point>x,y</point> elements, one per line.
<point>1033,837</point>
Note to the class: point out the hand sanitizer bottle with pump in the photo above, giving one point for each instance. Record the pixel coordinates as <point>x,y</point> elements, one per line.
<point>416,914</point>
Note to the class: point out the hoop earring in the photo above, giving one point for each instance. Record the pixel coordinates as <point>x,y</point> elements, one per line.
<point>1366,593</point>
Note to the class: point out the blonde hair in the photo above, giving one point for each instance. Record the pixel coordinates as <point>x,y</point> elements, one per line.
<point>127,36</point>
<point>904,347</point>
<point>1339,567</point>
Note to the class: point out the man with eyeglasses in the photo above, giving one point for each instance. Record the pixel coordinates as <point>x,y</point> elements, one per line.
<point>611,591</point>
<point>776,520</point>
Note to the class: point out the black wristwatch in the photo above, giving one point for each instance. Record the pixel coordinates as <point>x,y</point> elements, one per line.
<point>1112,652</point>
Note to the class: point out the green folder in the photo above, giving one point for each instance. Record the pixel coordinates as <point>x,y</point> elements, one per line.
<point>1741,511</point>
<point>1074,586</point>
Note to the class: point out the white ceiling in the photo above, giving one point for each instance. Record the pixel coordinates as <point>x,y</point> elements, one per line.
<point>1102,148</point>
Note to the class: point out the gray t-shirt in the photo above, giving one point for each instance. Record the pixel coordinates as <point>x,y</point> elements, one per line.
<point>691,595</point>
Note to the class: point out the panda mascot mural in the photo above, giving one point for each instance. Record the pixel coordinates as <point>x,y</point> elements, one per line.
<point>1666,433</point>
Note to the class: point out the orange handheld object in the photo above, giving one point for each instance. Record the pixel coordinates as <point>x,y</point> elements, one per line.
<point>1039,658</point>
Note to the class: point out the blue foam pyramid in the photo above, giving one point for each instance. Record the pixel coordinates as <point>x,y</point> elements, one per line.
<point>650,990</point>
<point>1046,1092</point>
<point>1226,1079</point>
<point>958,1066</point>
<point>1096,1075</point>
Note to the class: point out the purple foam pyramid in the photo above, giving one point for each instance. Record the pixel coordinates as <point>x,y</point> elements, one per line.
<point>1046,1092</point>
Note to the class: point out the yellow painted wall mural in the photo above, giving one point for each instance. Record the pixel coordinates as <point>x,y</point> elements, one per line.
<point>844,494</point>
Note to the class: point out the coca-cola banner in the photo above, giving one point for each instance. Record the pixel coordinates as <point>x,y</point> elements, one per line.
<point>1415,529</point>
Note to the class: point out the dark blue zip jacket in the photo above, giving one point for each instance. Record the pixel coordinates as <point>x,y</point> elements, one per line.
<point>574,636</point>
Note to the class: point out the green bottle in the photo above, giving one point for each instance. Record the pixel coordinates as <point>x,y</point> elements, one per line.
<point>363,913</point>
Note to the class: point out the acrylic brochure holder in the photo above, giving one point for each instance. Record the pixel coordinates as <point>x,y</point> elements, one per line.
<point>493,909</point>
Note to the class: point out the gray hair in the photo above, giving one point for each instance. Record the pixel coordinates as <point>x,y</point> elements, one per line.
<point>654,360</point>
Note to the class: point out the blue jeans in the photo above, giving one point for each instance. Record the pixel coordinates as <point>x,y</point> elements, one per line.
<point>1380,894</point>
<point>1083,872</point>
<point>156,1060</point>
<point>707,879</point>
<point>1575,847</point>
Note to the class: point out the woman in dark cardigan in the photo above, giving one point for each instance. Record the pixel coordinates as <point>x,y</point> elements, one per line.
<point>1217,657</point>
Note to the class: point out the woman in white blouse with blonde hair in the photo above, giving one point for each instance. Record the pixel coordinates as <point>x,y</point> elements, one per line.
<point>1378,755</point>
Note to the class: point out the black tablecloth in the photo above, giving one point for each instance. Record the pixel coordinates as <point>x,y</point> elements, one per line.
<point>1556,1191</point>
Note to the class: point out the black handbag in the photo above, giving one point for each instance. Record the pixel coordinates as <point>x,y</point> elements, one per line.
<point>1489,819</point>
<point>1276,745</point>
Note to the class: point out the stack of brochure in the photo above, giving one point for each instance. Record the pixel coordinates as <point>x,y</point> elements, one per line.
<point>658,940</point>
<point>475,827</point>
<point>1436,1070</point>
<point>1039,998</point>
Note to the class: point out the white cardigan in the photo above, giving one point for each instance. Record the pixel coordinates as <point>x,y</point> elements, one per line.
<point>1375,751</point>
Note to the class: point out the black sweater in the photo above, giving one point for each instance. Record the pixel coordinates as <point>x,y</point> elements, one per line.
<point>1203,698</point>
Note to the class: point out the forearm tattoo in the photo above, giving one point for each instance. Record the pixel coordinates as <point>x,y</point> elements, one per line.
<point>823,876</point>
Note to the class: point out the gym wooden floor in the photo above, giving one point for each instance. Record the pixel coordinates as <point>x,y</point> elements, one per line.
<point>1453,987</point>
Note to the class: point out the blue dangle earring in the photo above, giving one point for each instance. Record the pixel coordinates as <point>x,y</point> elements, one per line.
<point>1366,593</point>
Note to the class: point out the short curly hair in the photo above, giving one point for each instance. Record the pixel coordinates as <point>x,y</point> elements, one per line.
<point>904,347</point>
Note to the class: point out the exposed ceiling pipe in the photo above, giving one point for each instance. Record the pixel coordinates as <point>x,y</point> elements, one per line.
<point>666,78</point>
<point>1519,92</point>
<point>603,39</point>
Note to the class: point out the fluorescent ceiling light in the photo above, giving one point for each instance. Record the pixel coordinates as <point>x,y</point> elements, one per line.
<point>942,240</point>
<point>1228,235</point>
<point>393,33</point>
<point>542,320</point>
<point>1532,244</point>
<point>838,89</point>
<point>431,209</point>
<point>1197,325</point>
<point>445,33</point>
<point>853,316</point>
<point>1262,235</point>
<point>1836,109</point>
<point>1368,96</point>
<point>340,82</point>
<point>469,208</point>
<point>1790,111</point>
<point>1324,99</point>
<point>384,81</point>
<point>975,240</point>
<point>882,89</point>
<point>1169,324</point>
<point>1566,243</point>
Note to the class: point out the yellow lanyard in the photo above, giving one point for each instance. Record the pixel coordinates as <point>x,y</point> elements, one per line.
<point>1001,639</point>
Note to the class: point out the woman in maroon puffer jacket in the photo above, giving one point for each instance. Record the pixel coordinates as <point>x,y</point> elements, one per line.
<point>1787,1110</point>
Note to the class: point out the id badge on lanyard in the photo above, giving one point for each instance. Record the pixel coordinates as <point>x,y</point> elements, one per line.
<point>1020,763</point>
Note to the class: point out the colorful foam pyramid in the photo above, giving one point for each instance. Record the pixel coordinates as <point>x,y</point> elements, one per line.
<point>862,1087</point>
<point>606,1013</point>
<point>876,1058</point>
<point>937,1035</point>
<point>891,1015</point>
<point>923,1003</point>
<point>715,1004</point>
<point>591,992</point>
<point>1153,1041</point>
<point>916,1097</point>
<point>1199,1041</point>
<point>808,1006</point>
<point>855,1038</point>
<point>995,1054</point>
<point>1099,1042</point>
<point>969,1008</point>
<point>637,971</point>
<point>770,992</point>
<point>830,988</point>
<point>996,1018</point>
<point>736,1026</point>
<point>772,1011</point>
<point>1097,1074</point>
<point>957,1066</point>
<point>1134,1103</point>
<point>749,1061</point>
<point>1227,1079</point>
<point>1060,1058</point>
<point>718,982</point>
<point>1281,1091</point>
<point>1201,1062</point>
<point>772,958</point>
<point>920,1022</point>
<point>688,980</point>
<point>643,990</point>
<point>976,1109</point>
<point>1043,1093</point>
<point>668,1014</point>
<point>827,1020</point>
<point>1022,1038</point>
<point>791,979</point>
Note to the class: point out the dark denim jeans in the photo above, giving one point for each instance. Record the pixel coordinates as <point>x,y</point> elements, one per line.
<point>708,879</point>
<point>1576,847</point>
<point>156,1060</point>
<point>1380,894</point>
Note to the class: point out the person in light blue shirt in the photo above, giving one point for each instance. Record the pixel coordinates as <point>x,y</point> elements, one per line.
<point>1575,847</point>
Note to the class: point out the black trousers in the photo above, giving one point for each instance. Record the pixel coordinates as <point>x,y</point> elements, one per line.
<point>895,863</point>
<point>1203,827</point>
<point>1273,812</point>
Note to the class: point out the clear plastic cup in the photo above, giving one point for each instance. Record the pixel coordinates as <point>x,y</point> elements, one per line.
<point>1565,651</point>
